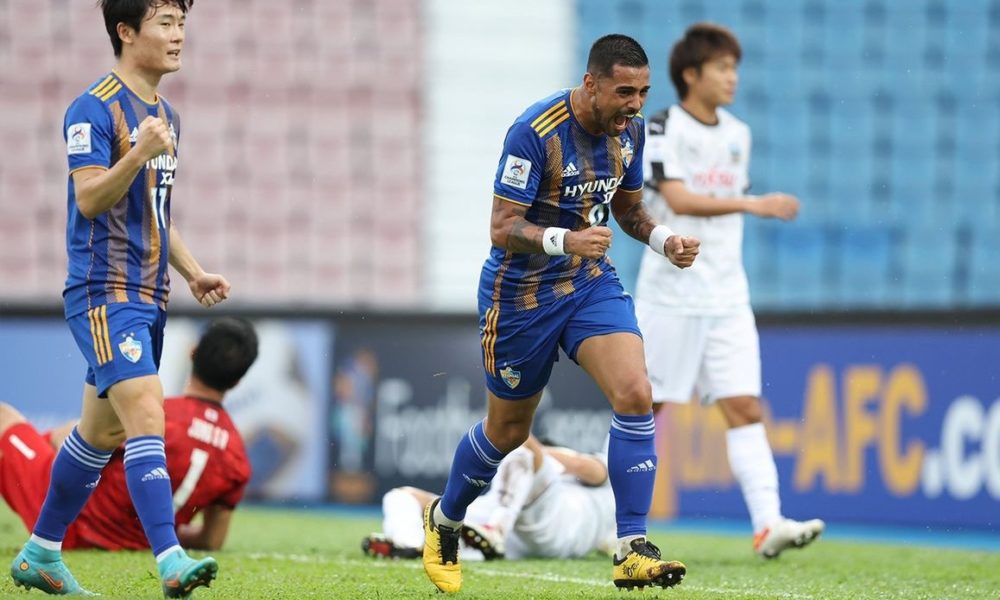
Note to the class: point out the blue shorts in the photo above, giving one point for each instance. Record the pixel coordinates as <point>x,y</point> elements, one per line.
<point>120,341</point>
<point>520,347</point>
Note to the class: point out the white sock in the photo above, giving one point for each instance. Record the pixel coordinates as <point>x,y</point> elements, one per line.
<point>752,463</point>
<point>47,544</point>
<point>402,519</point>
<point>441,519</point>
<point>625,545</point>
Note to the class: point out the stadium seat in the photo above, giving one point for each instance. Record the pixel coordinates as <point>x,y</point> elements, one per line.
<point>928,260</point>
<point>865,262</point>
<point>983,288</point>
<point>802,265</point>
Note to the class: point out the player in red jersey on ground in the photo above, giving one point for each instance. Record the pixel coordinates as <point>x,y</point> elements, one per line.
<point>206,462</point>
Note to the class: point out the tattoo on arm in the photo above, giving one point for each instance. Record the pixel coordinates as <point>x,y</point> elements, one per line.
<point>524,237</point>
<point>636,222</point>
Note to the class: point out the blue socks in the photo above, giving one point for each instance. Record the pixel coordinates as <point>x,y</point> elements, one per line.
<point>149,486</point>
<point>472,469</point>
<point>75,473</point>
<point>632,470</point>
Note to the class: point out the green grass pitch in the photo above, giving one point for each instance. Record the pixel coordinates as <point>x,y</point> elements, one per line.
<point>278,554</point>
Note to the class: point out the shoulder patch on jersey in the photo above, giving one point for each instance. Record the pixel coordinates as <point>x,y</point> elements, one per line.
<point>516,171</point>
<point>551,118</point>
<point>78,139</point>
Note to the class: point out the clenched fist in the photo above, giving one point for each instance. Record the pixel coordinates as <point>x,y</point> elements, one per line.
<point>209,289</point>
<point>153,138</point>
<point>681,250</point>
<point>592,242</point>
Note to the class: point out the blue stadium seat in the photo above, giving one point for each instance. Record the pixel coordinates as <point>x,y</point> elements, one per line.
<point>983,267</point>
<point>802,265</point>
<point>928,261</point>
<point>865,265</point>
<point>844,36</point>
<point>759,261</point>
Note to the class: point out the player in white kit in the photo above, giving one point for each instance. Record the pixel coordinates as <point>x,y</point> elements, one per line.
<point>545,502</point>
<point>699,330</point>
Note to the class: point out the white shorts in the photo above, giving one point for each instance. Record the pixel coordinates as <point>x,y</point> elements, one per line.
<point>711,356</point>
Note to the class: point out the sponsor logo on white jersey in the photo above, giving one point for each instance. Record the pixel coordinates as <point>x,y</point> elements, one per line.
<point>714,178</point>
<point>645,466</point>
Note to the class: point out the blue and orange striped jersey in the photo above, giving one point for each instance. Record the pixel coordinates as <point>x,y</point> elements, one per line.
<point>120,255</point>
<point>567,178</point>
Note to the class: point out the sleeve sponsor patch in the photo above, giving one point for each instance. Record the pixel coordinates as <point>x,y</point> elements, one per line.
<point>78,139</point>
<point>516,171</point>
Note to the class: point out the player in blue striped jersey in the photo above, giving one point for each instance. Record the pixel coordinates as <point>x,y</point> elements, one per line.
<point>568,163</point>
<point>121,141</point>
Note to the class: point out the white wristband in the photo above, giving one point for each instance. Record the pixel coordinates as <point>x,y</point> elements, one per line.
<point>553,239</point>
<point>658,237</point>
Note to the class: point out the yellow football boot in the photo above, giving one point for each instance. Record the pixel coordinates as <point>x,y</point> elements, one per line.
<point>643,566</point>
<point>441,552</point>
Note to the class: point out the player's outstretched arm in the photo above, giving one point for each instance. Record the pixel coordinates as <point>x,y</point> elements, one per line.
<point>631,215</point>
<point>211,533</point>
<point>208,288</point>
<point>685,202</point>
<point>511,231</point>
<point>98,189</point>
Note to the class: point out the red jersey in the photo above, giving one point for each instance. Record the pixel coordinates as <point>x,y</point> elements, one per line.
<point>207,464</point>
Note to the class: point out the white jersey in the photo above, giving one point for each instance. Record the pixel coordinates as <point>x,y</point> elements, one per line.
<point>567,520</point>
<point>711,160</point>
<point>561,517</point>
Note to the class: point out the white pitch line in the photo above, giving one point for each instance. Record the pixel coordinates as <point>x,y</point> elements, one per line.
<point>548,577</point>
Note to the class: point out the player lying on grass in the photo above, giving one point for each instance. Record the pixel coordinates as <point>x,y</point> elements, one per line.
<point>544,502</point>
<point>206,461</point>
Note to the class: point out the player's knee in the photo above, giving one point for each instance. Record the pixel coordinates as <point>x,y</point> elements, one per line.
<point>633,397</point>
<point>102,438</point>
<point>9,416</point>
<point>742,410</point>
<point>142,416</point>
<point>506,437</point>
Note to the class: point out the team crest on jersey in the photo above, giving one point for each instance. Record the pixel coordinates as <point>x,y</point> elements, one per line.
<point>131,349</point>
<point>510,376</point>
<point>734,153</point>
<point>627,152</point>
